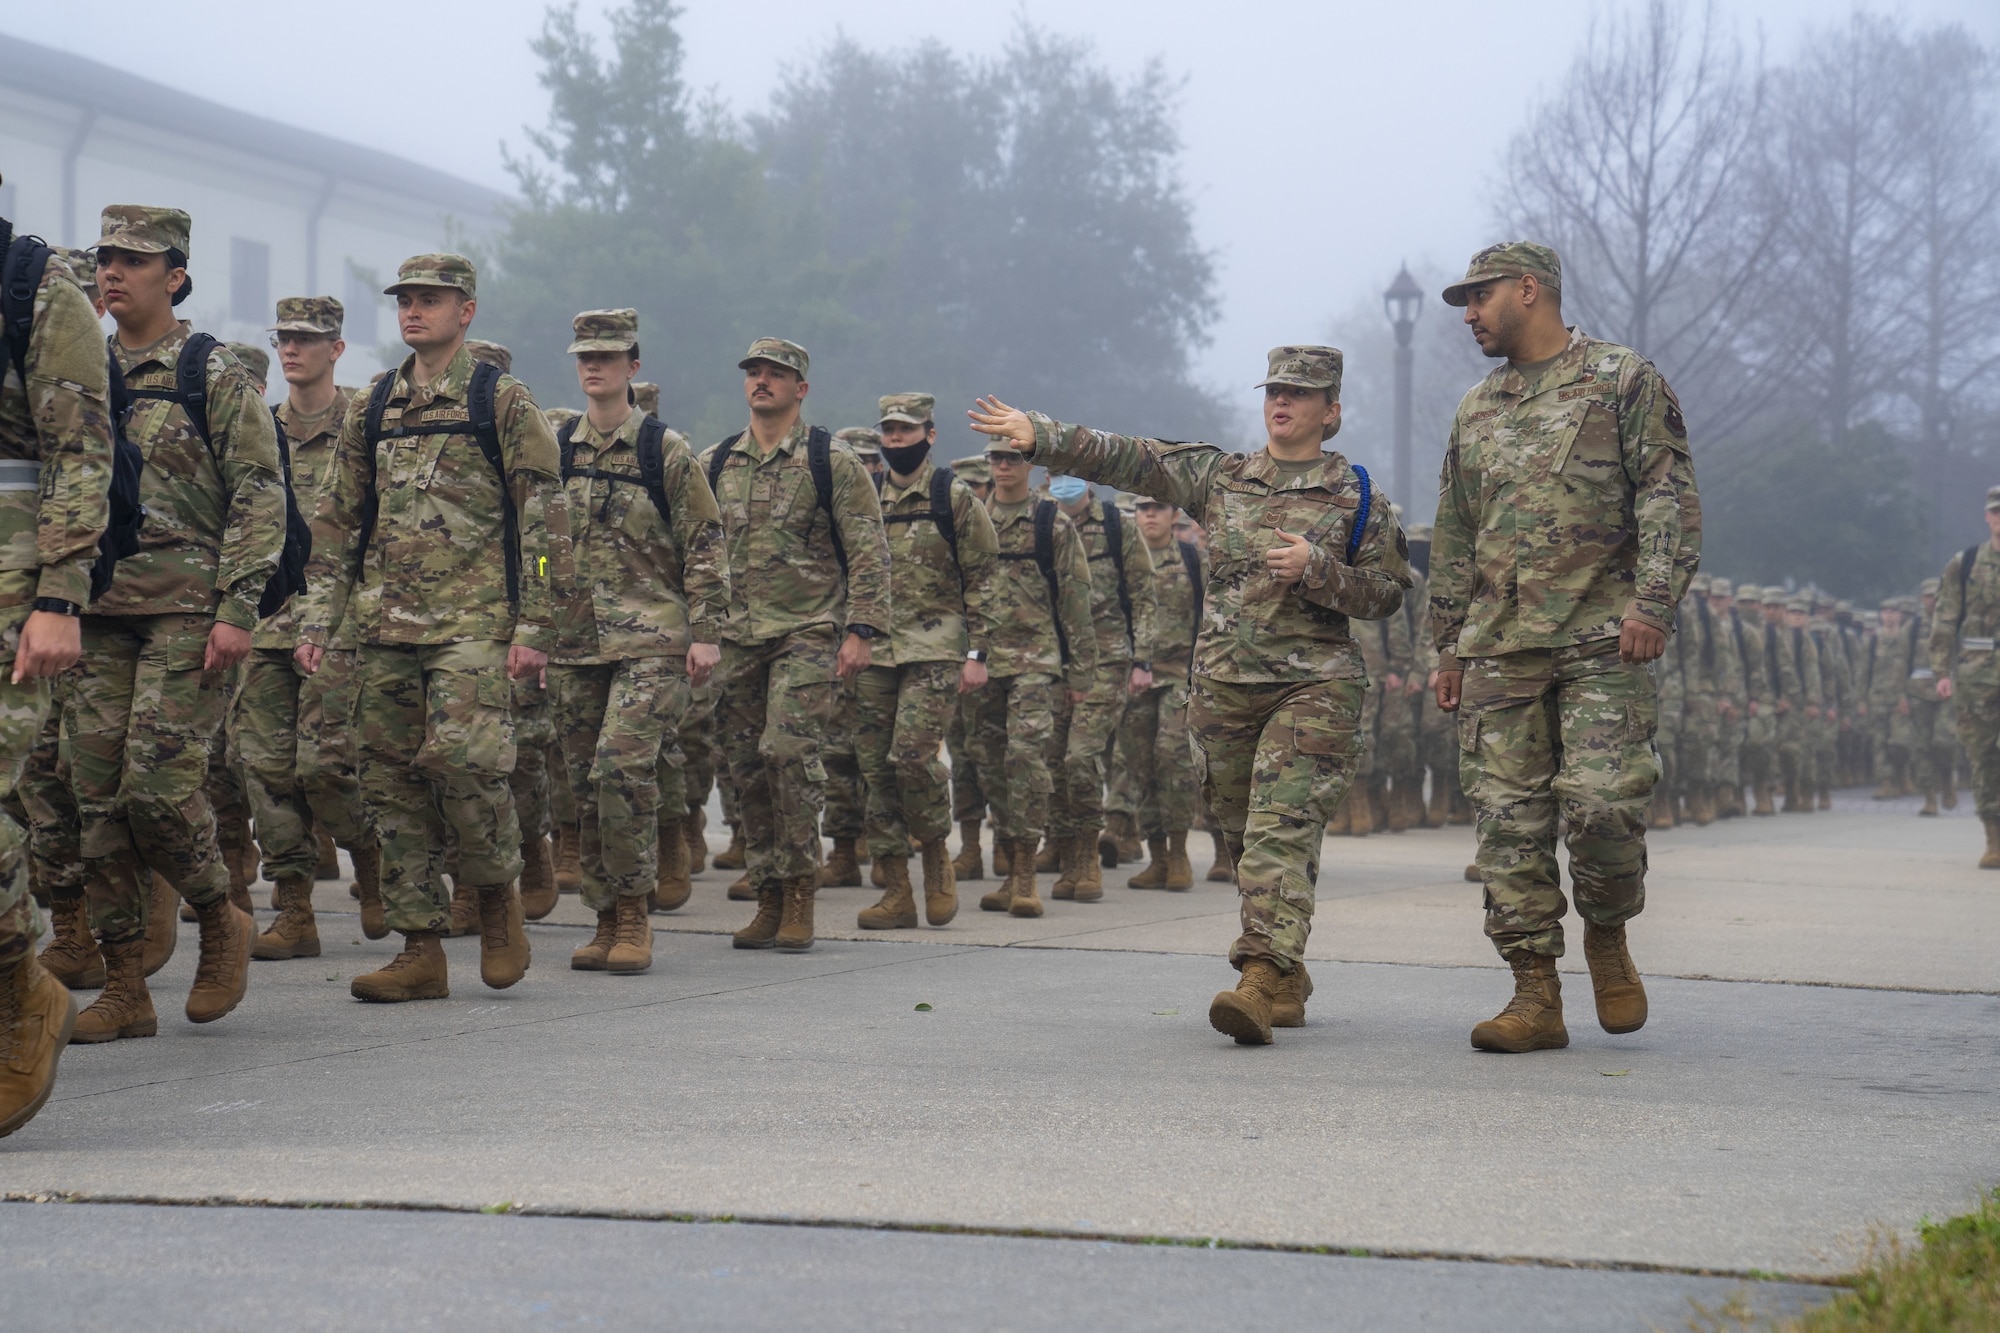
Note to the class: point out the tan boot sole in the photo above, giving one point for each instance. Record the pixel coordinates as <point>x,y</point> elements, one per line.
<point>144,1027</point>
<point>587,959</point>
<point>1024,907</point>
<point>672,901</point>
<point>940,908</point>
<point>247,929</point>
<point>904,921</point>
<point>90,977</point>
<point>375,926</point>
<point>626,967</point>
<point>1486,1037</point>
<point>435,990</point>
<point>274,948</point>
<point>535,906</point>
<point>792,946</point>
<point>995,902</point>
<point>1229,1015</point>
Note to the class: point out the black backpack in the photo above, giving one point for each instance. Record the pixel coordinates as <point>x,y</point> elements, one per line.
<point>819,462</point>
<point>1114,549</point>
<point>1044,556</point>
<point>20,278</point>
<point>939,513</point>
<point>1191,560</point>
<point>484,427</point>
<point>652,452</point>
<point>191,392</point>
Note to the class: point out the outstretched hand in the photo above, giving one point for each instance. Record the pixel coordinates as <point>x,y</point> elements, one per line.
<point>995,418</point>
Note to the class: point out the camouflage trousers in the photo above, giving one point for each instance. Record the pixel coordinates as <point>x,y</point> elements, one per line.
<point>688,768</point>
<point>537,757</point>
<point>1978,718</point>
<point>280,720</point>
<point>1758,755</point>
<point>435,724</point>
<point>1082,734</point>
<point>1156,758</point>
<point>968,797</point>
<point>1012,727</point>
<point>1277,759</point>
<point>1795,751</point>
<point>1700,727</point>
<point>1726,758</point>
<point>898,734</point>
<point>227,786</point>
<point>1370,723</point>
<point>1396,735</point>
<point>139,719</point>
<point>613,719</point>
<point>778,698</point>
<point>1550,732</point>
<point>23,709</point>
<point>846,809</point>
<point>1438,740</point>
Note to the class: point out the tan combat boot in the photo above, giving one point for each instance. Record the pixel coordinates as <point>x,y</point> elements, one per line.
<point>1222,866</point>
<point>735,856</point>
<point>1439,806</point>
<point>968,868</point>
<point>242,862</point>
<point>632,937</point>
<point>1764,806</point>
<point>591,957</point>
<point>1002,896</point>
<point>672,886</point>
<point>222,974</point>
<point>1614,981</point>
<point>1991,860</point>
<point>1245,1013</point>
<point>1950,789</point>
<point>1000,866</point>
<point>1461,809</point>
<point>762,932</point>
<point>795,923</point>
<point>740,891</point>
<point>1065,850</point>
<point>1125,830</point>
<point>1087,886</point>
<point>504,954</point>
<point>72,956</point>
<point>295,933</point>
<point>538,878</point>
<point>1180,871</point>
<point>940,884</point>
<point>1472,875</point>
<point>464,908</point>
<point>1048,861</point>
<point>569,858</point>
<point>842,869</point>
<point>1288,1001</point>
<point>1701,806</point>
<point>1888,790</point>
<point>417,973</point>
<point>876,875</point>
<point>328,868</point>
<point>898,908</point>
<point>694,837</point>
<point>1400,820</point>
<point>1154,876</point>
<point>1792,804</point>
<point>1359,814</point>
<point>1661,815</point>
<point>1533,1019</point>
<point>368,880</point>
<point>1930,802</point>
<point>163,928</point>
<point>124,1008</point>
<point>36,1017</point>
<point>1023,899</point>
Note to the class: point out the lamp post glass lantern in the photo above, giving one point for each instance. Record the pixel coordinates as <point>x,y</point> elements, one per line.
<point>1401,303</point>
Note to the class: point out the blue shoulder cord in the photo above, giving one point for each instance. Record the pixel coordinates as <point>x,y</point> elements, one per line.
<point>1360,514</point>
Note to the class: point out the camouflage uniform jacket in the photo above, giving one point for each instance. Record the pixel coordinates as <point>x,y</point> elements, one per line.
<point>61,419</point>
<point>783,575</point>
<point>1805,652</point>
<point>312,441</point>
<point>1114,643</point>
<point>645,587</point>
<point>937,610</point>
<point>1774,671</point>
<point>1174,628</point>
<point>1566,504</point>
<point>1388,648</point>
<point>1836,681</point>
<point>1695,629</point>
<point>1024,631</point>
<point>1256,630</point>
<point>1962,632</point>
<point>434,572</point>
<point>215,513</point>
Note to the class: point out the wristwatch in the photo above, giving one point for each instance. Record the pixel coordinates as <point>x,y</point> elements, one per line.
<point>862,632</point>
<point>975,654</point>
<point>58,605</point>
<point>1142,666</point>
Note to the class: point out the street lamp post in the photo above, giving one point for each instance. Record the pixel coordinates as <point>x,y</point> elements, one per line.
<point>1402,302</point>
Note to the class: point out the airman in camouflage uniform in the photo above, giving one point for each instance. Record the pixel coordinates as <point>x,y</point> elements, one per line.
<point>227,791</point>
<point>846,814</point>
<point>1786,613</point>
<point>1836,686</point>
<point>1965,658</point>
<point>1042,645</point>
<point>1278,679</point>
<point>1898,654</point>
<point>1929,718</point>
<point>649,599</point>
<point>799,626</point>
<point>294,732</point>
<point>55,459</point>
<point>158,646</point>
<point>1567,530</point>
<point>418,516</point>
<point>940,626</point>
<point>1154,749</point>
<point>968,797</point>
<point>1121,611</point>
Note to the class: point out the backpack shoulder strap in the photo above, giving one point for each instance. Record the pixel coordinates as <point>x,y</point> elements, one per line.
<point>941,510</point>
<point>1354,533</point>
<point>482,400</point>
<point>1045,559</point>
<point>1191,559</point>
<point>719,459</point>
<point>1114,546</point>
<point>652,450</point>
<point>378,404</point>
<point>191,382</point>
<point>566,443</point>
<point>26,258</point>
<point>1965,559</point>
<point>819,461</point>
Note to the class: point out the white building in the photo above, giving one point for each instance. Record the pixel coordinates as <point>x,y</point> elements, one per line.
<point>277,211</point>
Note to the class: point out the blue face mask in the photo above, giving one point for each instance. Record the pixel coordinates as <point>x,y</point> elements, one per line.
<point>1067,489</point>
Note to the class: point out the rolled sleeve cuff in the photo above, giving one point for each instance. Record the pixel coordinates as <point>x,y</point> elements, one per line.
<point>1647,612</point>
<point>1048,432</point>
<point>1448,660</point>
<point>233,610</point>
<point>539,638</point>
<point>70,582</point>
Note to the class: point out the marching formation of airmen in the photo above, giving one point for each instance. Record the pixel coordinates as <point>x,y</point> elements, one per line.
<point>525,646</point>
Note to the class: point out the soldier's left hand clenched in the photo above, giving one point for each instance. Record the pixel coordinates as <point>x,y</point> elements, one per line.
<point>1287,562</point>
<point>1640,642</point>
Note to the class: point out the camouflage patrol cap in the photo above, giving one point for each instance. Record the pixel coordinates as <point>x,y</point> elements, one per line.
<point>82,264</point>
<point>1992,498</point>
<point>973,471</point>
<point>144,230</point>
<point>1145,502</point>
<point>443,270</point>
<point>1718,587</point>
<point>255,360</point>
<point>1751,595</point>
<point>863,440</point>
<point>1305,368</point>
<point>1509,259</point>
<point>604,331</point>
<point>493,354</point>
<point>1127,503</point>
<point>779,353</point>
<point>310,314</point>
<point>1775,595</point>
<point>646,394</point>
<point>1799,602</point>
<point>1892,604</point>
<point>1928,588</point>
<point>1699,583</point>
<point>917,409</point>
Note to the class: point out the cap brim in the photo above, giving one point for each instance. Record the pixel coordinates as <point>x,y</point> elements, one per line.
<point>396,287</point>
<point>130,244</point>
<point>750,361</point>
<point>905,418</point>
<point>1294,382</point>
<point>296,326</point>
<point>598,345</point>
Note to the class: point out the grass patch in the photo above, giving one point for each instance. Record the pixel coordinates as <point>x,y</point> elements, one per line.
<point>1949,1281</point>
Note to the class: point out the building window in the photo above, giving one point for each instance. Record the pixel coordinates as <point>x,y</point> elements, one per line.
<point>363,302</point>
<point>249,281</point>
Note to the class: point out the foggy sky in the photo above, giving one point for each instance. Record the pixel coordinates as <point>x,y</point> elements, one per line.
<point>1320,151</point>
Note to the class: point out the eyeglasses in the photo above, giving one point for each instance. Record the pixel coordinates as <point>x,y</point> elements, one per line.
<point>280,339</point>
